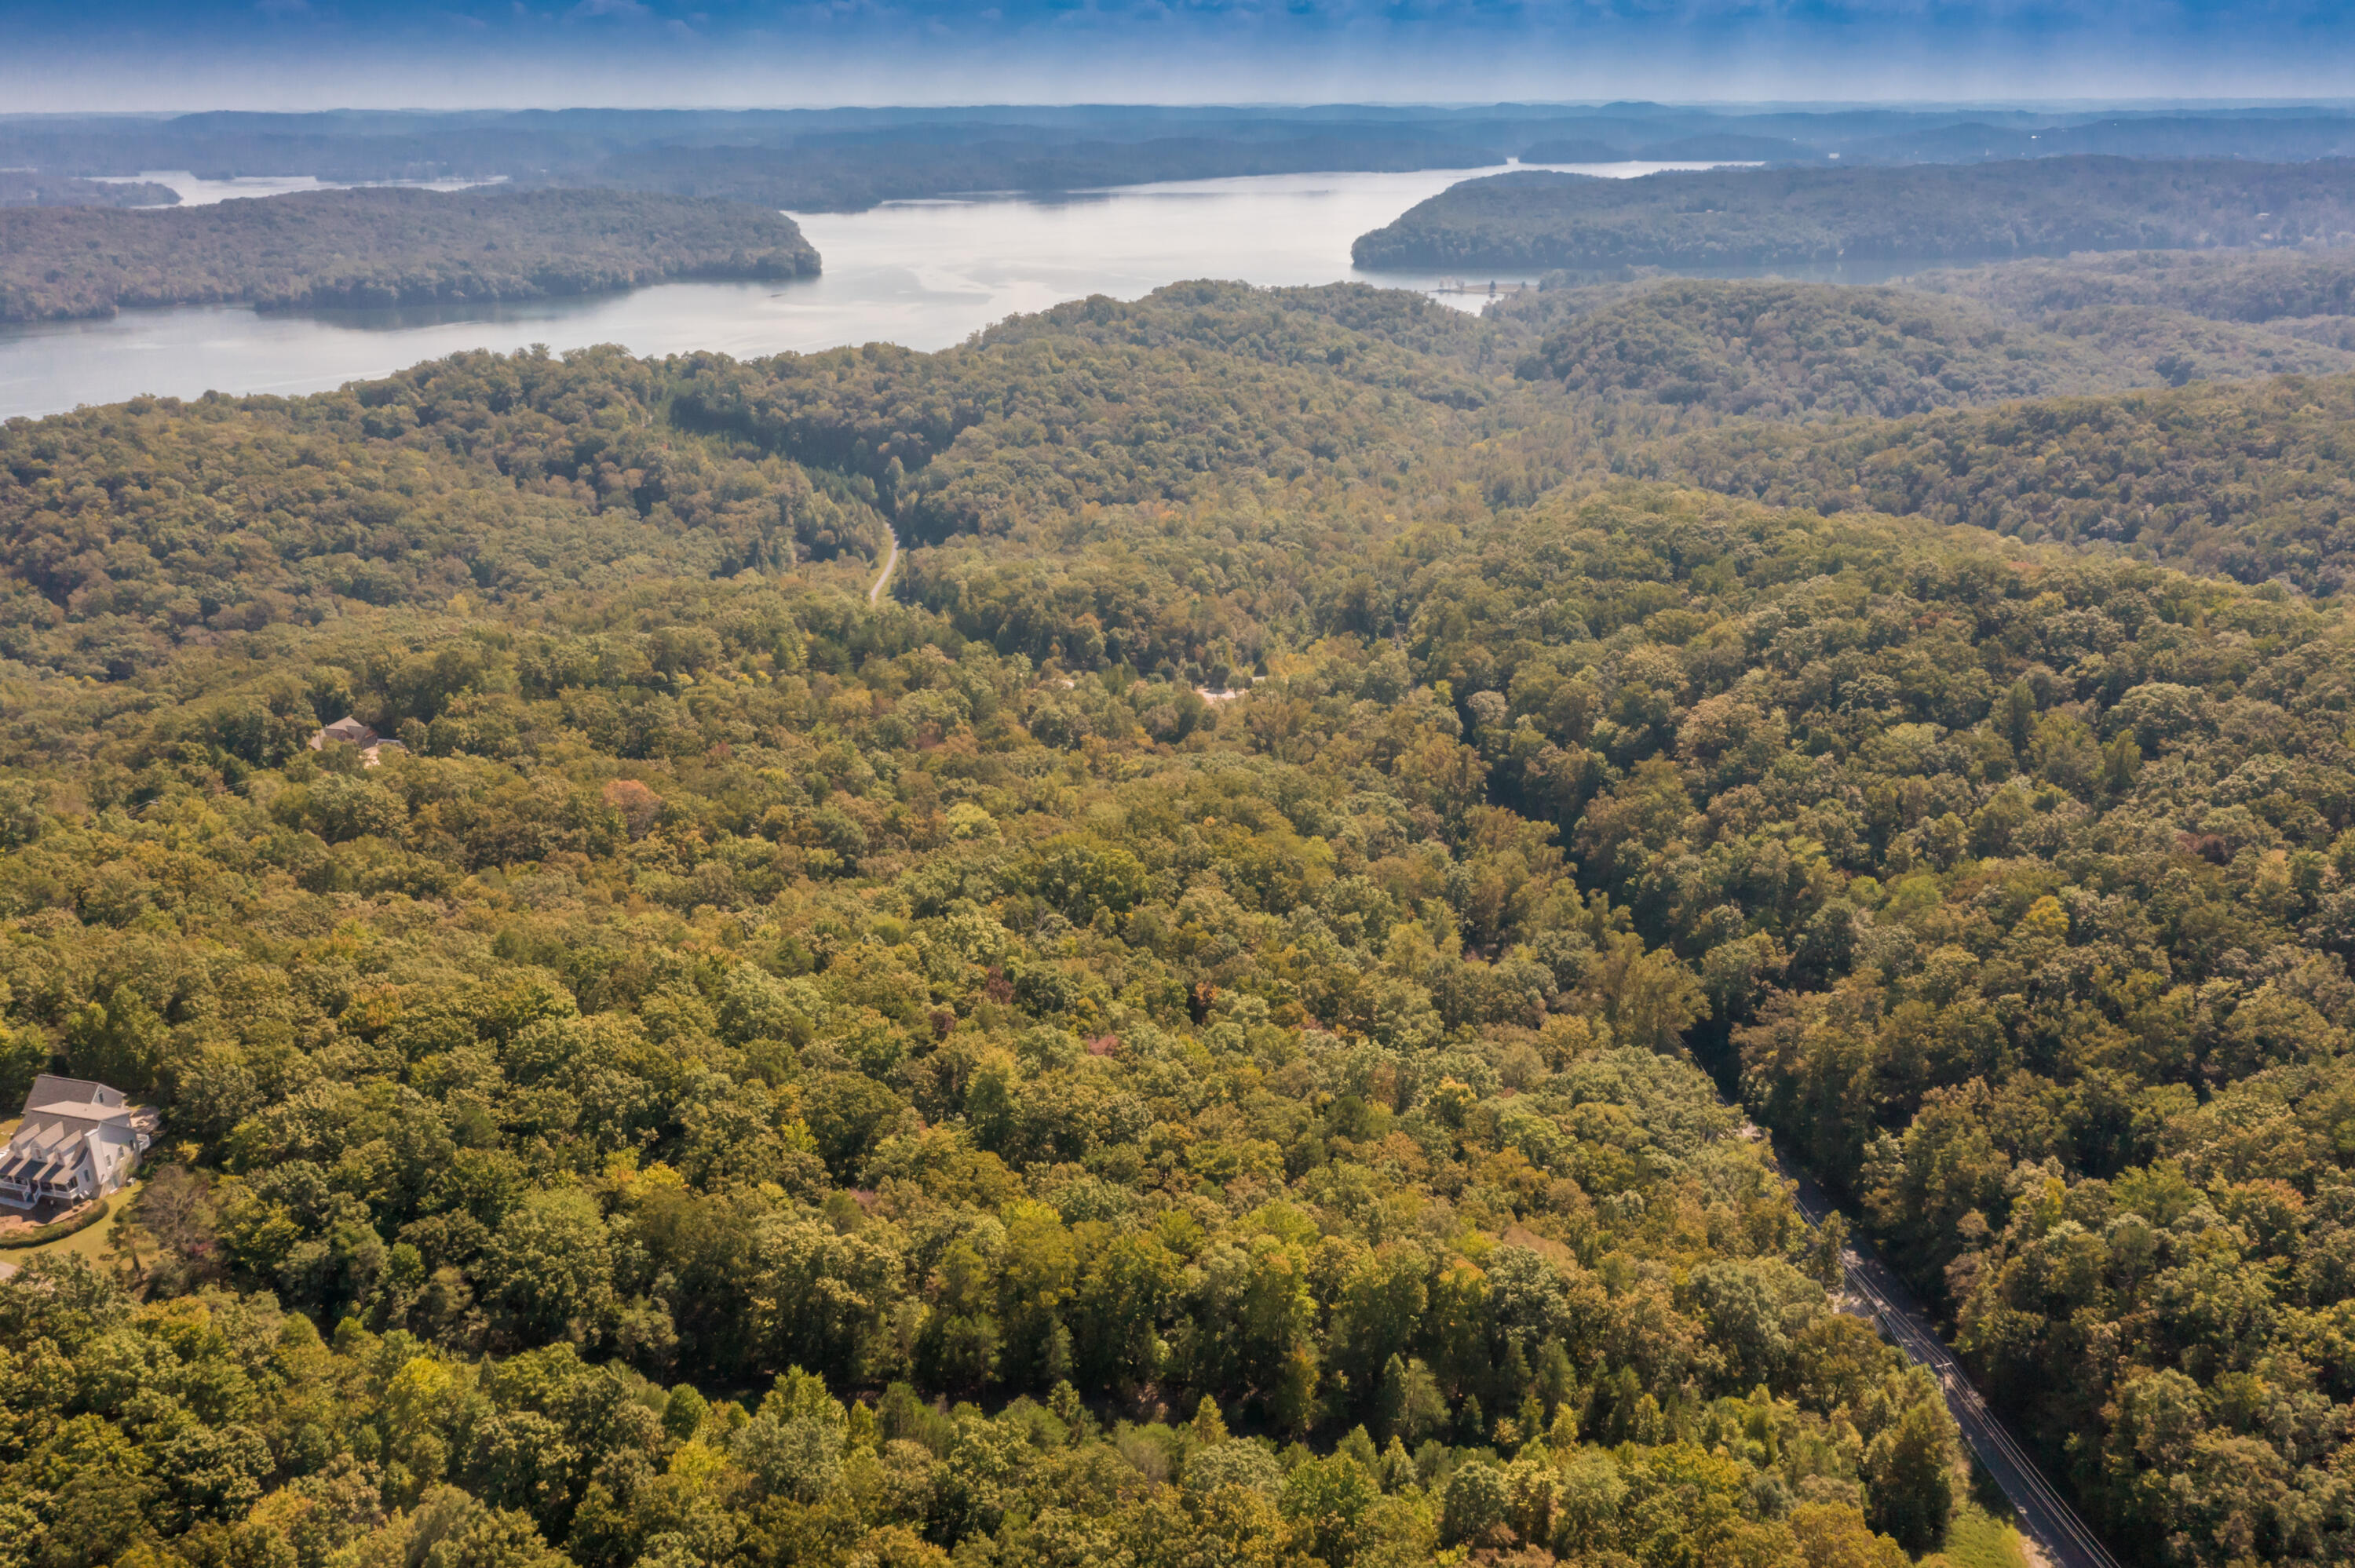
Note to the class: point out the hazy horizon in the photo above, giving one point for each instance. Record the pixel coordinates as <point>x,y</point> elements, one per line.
<point>299,55</point>
<point>2230,103</point>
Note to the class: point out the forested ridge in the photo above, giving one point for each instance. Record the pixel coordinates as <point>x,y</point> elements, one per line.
<point>1742,218</point>
<point>2250,479</point>
<point>1782,351</point>
<point>377,247</point>
<point>2299,288</point>
<point>1796,392</point>
<point>764,1079</point>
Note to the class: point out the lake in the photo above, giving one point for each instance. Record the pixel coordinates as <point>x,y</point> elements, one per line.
<point>925,274</point>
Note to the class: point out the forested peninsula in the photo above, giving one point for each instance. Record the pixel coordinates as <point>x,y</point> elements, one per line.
<point>381,246</point>
<point>23,188</point>
<point>1534,220</point>
<point>1217,1024</point>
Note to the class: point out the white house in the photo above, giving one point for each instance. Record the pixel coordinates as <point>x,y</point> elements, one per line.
<point>76,1142</point>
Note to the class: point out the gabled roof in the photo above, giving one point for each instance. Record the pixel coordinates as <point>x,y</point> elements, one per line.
<point>47,1150</point>
<point>69,1126</point>
<point>49,1089</point>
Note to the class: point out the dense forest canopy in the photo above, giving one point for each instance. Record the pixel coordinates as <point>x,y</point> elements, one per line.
<point>973,1153</point>
<point>2307,292</point>
<point>1767,217</point>
<point>1801,351</point>
<point>2244,479</point>
<point>2250,479</point>
<point>376,248</point>
<point>721,1093</point>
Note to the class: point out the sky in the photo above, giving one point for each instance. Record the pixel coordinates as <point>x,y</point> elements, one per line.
<point>178,54</point>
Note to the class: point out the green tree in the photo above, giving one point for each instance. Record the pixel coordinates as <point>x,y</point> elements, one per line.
<point>550,1268</point>
<point>1909,1477</point>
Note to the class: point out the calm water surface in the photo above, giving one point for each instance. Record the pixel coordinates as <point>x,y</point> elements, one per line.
<point>922,273</point>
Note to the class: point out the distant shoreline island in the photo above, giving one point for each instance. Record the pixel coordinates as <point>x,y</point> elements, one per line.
<point>379,247</point>
<point>849,159</point>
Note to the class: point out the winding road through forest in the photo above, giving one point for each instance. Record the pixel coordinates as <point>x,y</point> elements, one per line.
<point>883,578</point>
<point>2045,1516</point>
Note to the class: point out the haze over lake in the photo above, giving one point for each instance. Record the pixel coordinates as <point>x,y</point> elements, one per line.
<point>925,274</point>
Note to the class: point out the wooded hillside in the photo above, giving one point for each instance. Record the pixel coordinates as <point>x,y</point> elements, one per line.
<point>1806,351</point>
<point>1530,221</point>
<point>2250,479</point>
<point>762,1078</point>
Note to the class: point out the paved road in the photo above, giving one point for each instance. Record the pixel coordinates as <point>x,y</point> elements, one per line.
<point>2044,1514</point>
<point>875,594</point>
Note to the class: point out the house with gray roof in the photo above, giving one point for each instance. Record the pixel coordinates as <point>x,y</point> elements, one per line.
<point>76,1142</point>
<point>350,731</point>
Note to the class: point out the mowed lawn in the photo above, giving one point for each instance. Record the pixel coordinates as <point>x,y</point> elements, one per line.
<point>89,1242</point>
<point>1975,1540</point>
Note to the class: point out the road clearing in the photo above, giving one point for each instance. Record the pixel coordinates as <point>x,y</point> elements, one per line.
<point>2045,1516</point>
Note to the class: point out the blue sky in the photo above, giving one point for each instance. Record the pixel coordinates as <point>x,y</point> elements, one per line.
<point>180,54</point>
